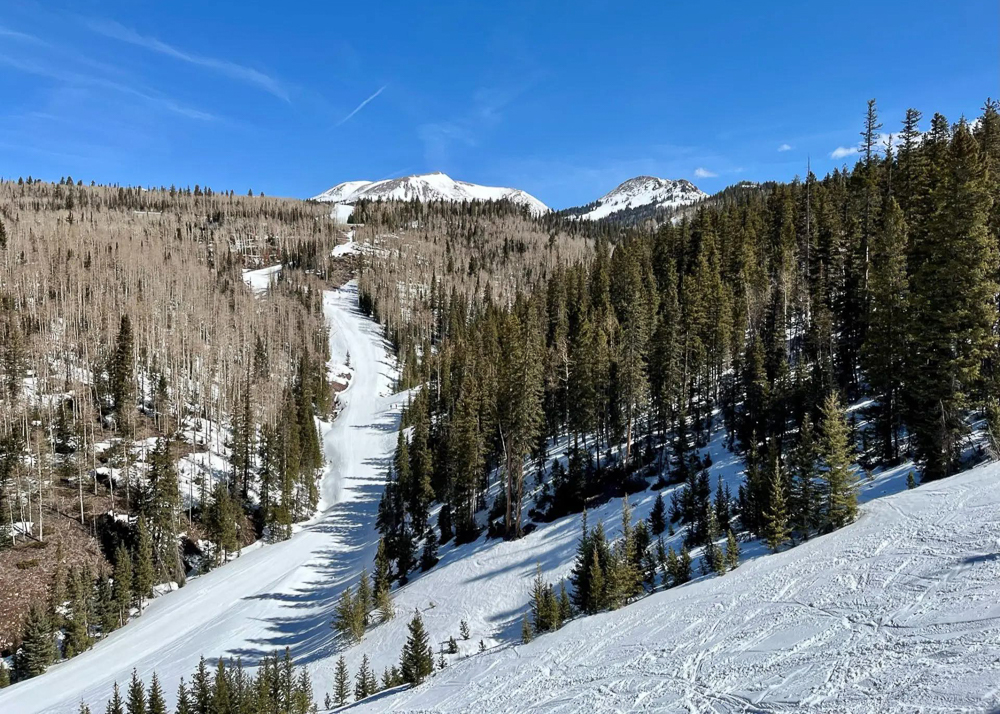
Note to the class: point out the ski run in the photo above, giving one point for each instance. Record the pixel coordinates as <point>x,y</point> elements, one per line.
<point>897,612</point>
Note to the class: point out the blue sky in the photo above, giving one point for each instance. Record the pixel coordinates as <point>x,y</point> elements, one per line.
<point>564,100</point>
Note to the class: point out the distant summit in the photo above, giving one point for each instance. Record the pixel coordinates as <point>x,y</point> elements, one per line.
<point>642,192</point>
<point>427,187</point>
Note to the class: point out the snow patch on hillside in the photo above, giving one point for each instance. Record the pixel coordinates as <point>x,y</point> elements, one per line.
<point>261,279</point>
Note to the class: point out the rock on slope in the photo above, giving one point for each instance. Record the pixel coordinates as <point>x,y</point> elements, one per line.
<point>428,187</point>
<point>897,612</point>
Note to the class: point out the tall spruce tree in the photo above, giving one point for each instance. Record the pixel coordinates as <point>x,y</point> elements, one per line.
<point>417,659</point>
<point>341,682</point>
<point>885,349</point>
<point>837,455</point>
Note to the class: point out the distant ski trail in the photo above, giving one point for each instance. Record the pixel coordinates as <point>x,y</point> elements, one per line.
<point>272,597</point>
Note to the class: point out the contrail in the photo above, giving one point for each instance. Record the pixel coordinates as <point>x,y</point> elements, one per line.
<point>361,106</point>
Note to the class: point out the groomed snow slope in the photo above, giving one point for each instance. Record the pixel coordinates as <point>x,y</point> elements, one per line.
<point>427,187</point>
<point>897,612</point>
<point>898,607</point>
<point>274,596</point>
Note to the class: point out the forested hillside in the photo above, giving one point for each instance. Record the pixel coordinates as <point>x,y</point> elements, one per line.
<point>770,309</point>
<point>822,330</point>
<point>156,414</point>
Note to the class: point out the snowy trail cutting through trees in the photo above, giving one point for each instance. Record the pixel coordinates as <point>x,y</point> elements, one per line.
<point>272,597</point>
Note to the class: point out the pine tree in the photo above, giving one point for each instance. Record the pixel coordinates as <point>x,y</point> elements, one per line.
<point>805,496</point>
<point>341,682</point>
<point>597,594</point>
<point>429,558</point>
<point>684,566</point>
<point>221,695</point>
<point>107,607</point>
<point>38,647</point>
<point>115,705</point>
<point>732,551</point>
<point>953,289</point>
<point>183,705</point>
<point>136,701</point>
<point>364,681</point>
<point>885,348</point>
<point>417,660</point>
<point>302,699</point>
<point>527,632</point>
<point>658,516</point>
<point>160,509</point>
<point>348,618</point>
<point>463,629</point>
<point>202,688</point>
<point>518,405</point>
<point>405,549</point>
<point>121,374</point>
<point>565,604</point>
<point>157,704</point>
<point>713,560</point>
<point>911,483</point>
<point>776,531</point>
<point>837,456</point>
<point>627,576</point>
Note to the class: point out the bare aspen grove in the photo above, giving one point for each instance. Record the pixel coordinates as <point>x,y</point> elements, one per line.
<point>127,328</point>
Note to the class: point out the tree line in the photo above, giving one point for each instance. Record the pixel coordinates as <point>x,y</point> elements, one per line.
<point>765,312</point>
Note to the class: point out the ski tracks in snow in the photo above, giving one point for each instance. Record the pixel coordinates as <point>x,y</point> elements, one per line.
<point>272,597</point>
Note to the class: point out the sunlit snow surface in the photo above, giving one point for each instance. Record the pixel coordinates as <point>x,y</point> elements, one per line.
<point>274,596</point>
<point>644,191</point>
<point>898,612</point>
<point>427,187</point>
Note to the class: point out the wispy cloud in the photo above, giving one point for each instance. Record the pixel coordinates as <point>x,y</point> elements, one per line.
<point>842,151</point>
<point>467,128</point>
<point>704,173</point>
<point>361,106</point>
<point>21,36</point>
<point>75,78</point>
<point>249,75</point>
<point>785,147</point>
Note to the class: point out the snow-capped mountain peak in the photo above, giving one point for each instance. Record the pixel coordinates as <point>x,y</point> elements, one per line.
<point>428,187</point>
<point>639,192</point>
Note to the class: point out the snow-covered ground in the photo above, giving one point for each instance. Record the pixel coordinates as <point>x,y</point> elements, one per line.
<point>261,279</point>
<point>270,597</point>
<point>897,612</point>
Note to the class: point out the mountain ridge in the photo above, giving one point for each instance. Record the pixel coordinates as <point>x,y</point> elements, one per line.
<point>427,187</point>
<point>637,197</point>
